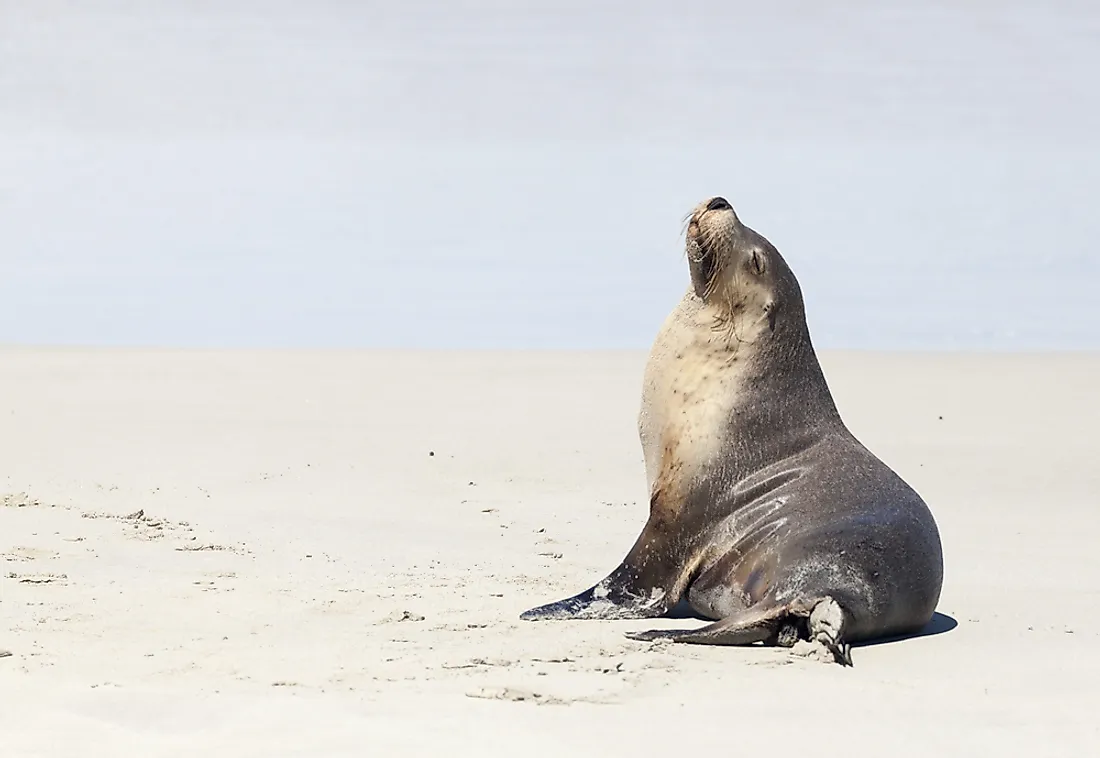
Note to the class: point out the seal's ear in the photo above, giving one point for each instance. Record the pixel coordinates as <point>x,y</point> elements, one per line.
<point>758,263</point>
<point>772,310</point>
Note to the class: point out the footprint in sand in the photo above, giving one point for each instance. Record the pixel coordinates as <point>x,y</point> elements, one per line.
<point>27,554</point>
<point>38,578</point>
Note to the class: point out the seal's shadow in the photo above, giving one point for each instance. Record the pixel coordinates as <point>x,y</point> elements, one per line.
<point>941,623</point>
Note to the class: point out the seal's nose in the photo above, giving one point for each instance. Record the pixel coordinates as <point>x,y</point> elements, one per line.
<point>718,204</point>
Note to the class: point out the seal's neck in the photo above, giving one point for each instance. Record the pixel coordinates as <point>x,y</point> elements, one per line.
<point>786,388</point>
<point>781,400</point>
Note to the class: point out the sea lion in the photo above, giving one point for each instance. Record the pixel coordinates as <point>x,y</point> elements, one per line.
<point>766,514</point>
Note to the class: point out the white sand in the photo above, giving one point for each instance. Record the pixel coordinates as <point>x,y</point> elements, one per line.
<point>308,580</point>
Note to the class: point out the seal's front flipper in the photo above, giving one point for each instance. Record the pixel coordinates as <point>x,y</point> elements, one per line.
<point>619,596</point>
<point>599,603</point>
<point>588,605</point>
<point>648,582</point>
<point>756,624</point>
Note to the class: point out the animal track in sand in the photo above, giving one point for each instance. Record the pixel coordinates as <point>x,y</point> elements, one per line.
<point>198,547</point>
<point>141,526</point>
<point>24,554</point>
<point>137,525</point>
<point>399,616</point>
<point>21,500</point>
<point>479,663</point>
<point>38,578</point>
<point>518,695</point>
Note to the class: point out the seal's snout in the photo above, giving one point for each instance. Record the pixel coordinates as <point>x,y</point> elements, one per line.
<point>719,204</point>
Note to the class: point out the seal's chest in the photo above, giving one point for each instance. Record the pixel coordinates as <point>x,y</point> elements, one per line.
<point>695,373</point>
<point>691,398</point>
<point>701,393</point>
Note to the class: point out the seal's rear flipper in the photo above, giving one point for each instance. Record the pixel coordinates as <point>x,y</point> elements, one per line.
<point>771,624</point>
<point>755,624</point>
<point>827,629</point>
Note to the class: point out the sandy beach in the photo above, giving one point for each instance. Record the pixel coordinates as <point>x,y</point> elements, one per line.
<point>325,553</point>
<point>254,537</point>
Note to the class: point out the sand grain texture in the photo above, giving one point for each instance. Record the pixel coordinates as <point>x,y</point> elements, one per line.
<point>324,553</point>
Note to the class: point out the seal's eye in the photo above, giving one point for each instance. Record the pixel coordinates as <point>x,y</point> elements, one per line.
<point>758,263</point>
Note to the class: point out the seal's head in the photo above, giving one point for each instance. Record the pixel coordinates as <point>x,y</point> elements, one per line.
<point>736,271</point>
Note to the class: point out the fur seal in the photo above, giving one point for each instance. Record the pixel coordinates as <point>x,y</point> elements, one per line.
<point>766,514</point>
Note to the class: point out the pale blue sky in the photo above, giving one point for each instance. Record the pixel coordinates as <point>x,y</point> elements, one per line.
<point>474,174</point>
